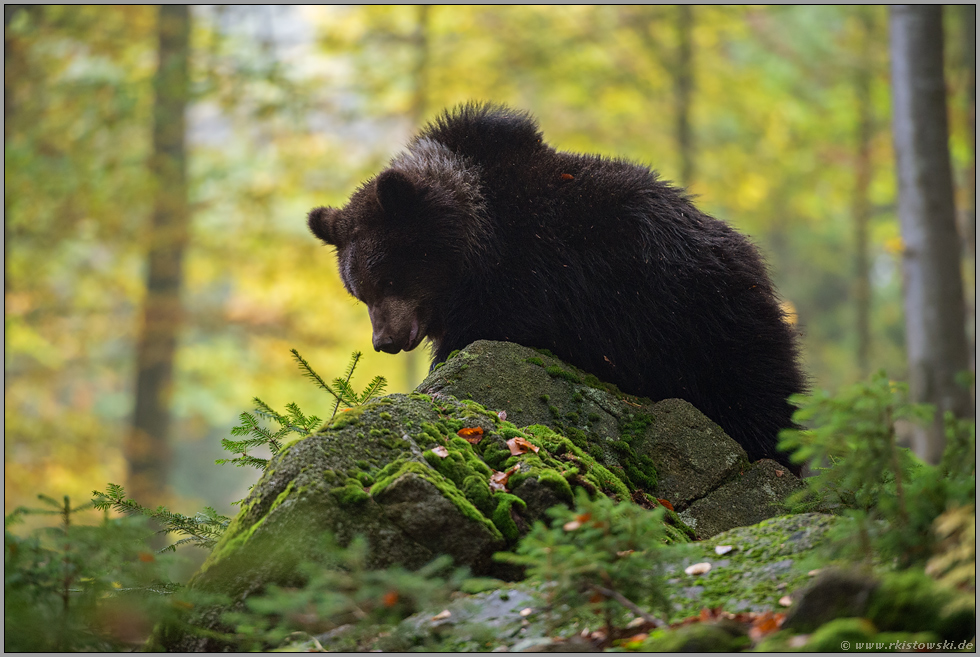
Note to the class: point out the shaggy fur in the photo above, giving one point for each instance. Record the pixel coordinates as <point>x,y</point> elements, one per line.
<point>482,231</point>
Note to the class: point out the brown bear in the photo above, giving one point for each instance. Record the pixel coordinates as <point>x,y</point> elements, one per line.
<point>480,230</point>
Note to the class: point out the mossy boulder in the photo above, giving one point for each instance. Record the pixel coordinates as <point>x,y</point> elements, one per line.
<point>401,472</point>
<point>668,449</point>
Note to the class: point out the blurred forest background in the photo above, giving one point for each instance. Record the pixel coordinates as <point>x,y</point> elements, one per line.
<point>778,118</point>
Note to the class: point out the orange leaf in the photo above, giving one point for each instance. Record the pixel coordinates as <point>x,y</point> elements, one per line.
<point>567,176</point>
<point>440,451</point>
<point>472,435</point>
<point>766,623</point>
<point>667,505</point>
<point>779,473</point>
<point>390,599</point>
<point>146,557</point>
<point>519,445</point>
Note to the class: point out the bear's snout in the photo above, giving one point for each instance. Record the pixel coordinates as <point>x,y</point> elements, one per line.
<point>395,326</point>
<point>386,344</point>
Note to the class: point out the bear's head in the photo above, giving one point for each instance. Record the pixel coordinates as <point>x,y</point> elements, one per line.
<point>405,241</point>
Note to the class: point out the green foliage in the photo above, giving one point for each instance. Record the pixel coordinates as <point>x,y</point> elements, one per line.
<point>893,497</point>
<point>294,421</point>
<point>601,557</point>
<point>340,388</point>
<point>78,587</point>
<point>342,590</point>
<point>203,529</point>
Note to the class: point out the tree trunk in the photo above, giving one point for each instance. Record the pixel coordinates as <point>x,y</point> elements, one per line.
<point>147,448</point>
<point>933,288</point>
<point>968,224</point>
<point>683,88</point>
<point>862,204</point>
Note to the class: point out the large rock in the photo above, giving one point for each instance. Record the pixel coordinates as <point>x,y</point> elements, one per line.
<point>396,471</point>
<point>668,448</point>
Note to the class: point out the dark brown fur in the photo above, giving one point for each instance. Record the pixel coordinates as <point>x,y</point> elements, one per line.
<point>482,231</point>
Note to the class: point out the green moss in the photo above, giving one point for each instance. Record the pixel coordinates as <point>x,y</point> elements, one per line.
<point>595,473</point>
<point>352,494</point>
<point>556,372</point>
<point>577,397</point>
<point>363,465</point>
<point>698,637</point>
<point>396,469</point>
<point>432,431</point>
<point>348,417</point>
<point>578,437</point>
<point>558,484</point>
<point>477,491</point>
<point>452,467</point>
<point>830,636</point>
<point>545,398</point>
<point>534,360</point>
<point>239,531</point>
<point>510,432</point>
<point>384,415</point>
<point>502,518</point>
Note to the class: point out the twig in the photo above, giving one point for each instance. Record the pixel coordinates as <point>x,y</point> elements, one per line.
<point>632,606</point>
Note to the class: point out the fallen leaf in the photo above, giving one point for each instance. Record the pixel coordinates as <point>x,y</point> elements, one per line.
<point>624,553</point>
<point>147,557</point>
<point>502,415</point>
<point>723,549</point>
<point>567,176</point>
<point>667,505</point>
<point>815,572</point>
<point>519,445</point>
<point>636,638</point>
<point>766,623</point>
<point>440,451</point>
<point>798,641</point>
<point>390,599</point>
<point>698,568</point>
<point>470,431</point>
<point>779,473</point>
<point>571,525</point>
<point>786,601</point>
<point>442,615</point>
<point>498,480</point>
<point>526,611</point>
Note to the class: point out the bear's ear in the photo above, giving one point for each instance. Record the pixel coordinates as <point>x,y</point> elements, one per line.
<point>396,193</point>
<point>323,223</point>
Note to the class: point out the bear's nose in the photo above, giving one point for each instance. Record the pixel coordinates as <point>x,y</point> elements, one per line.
<point>386,344</point>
